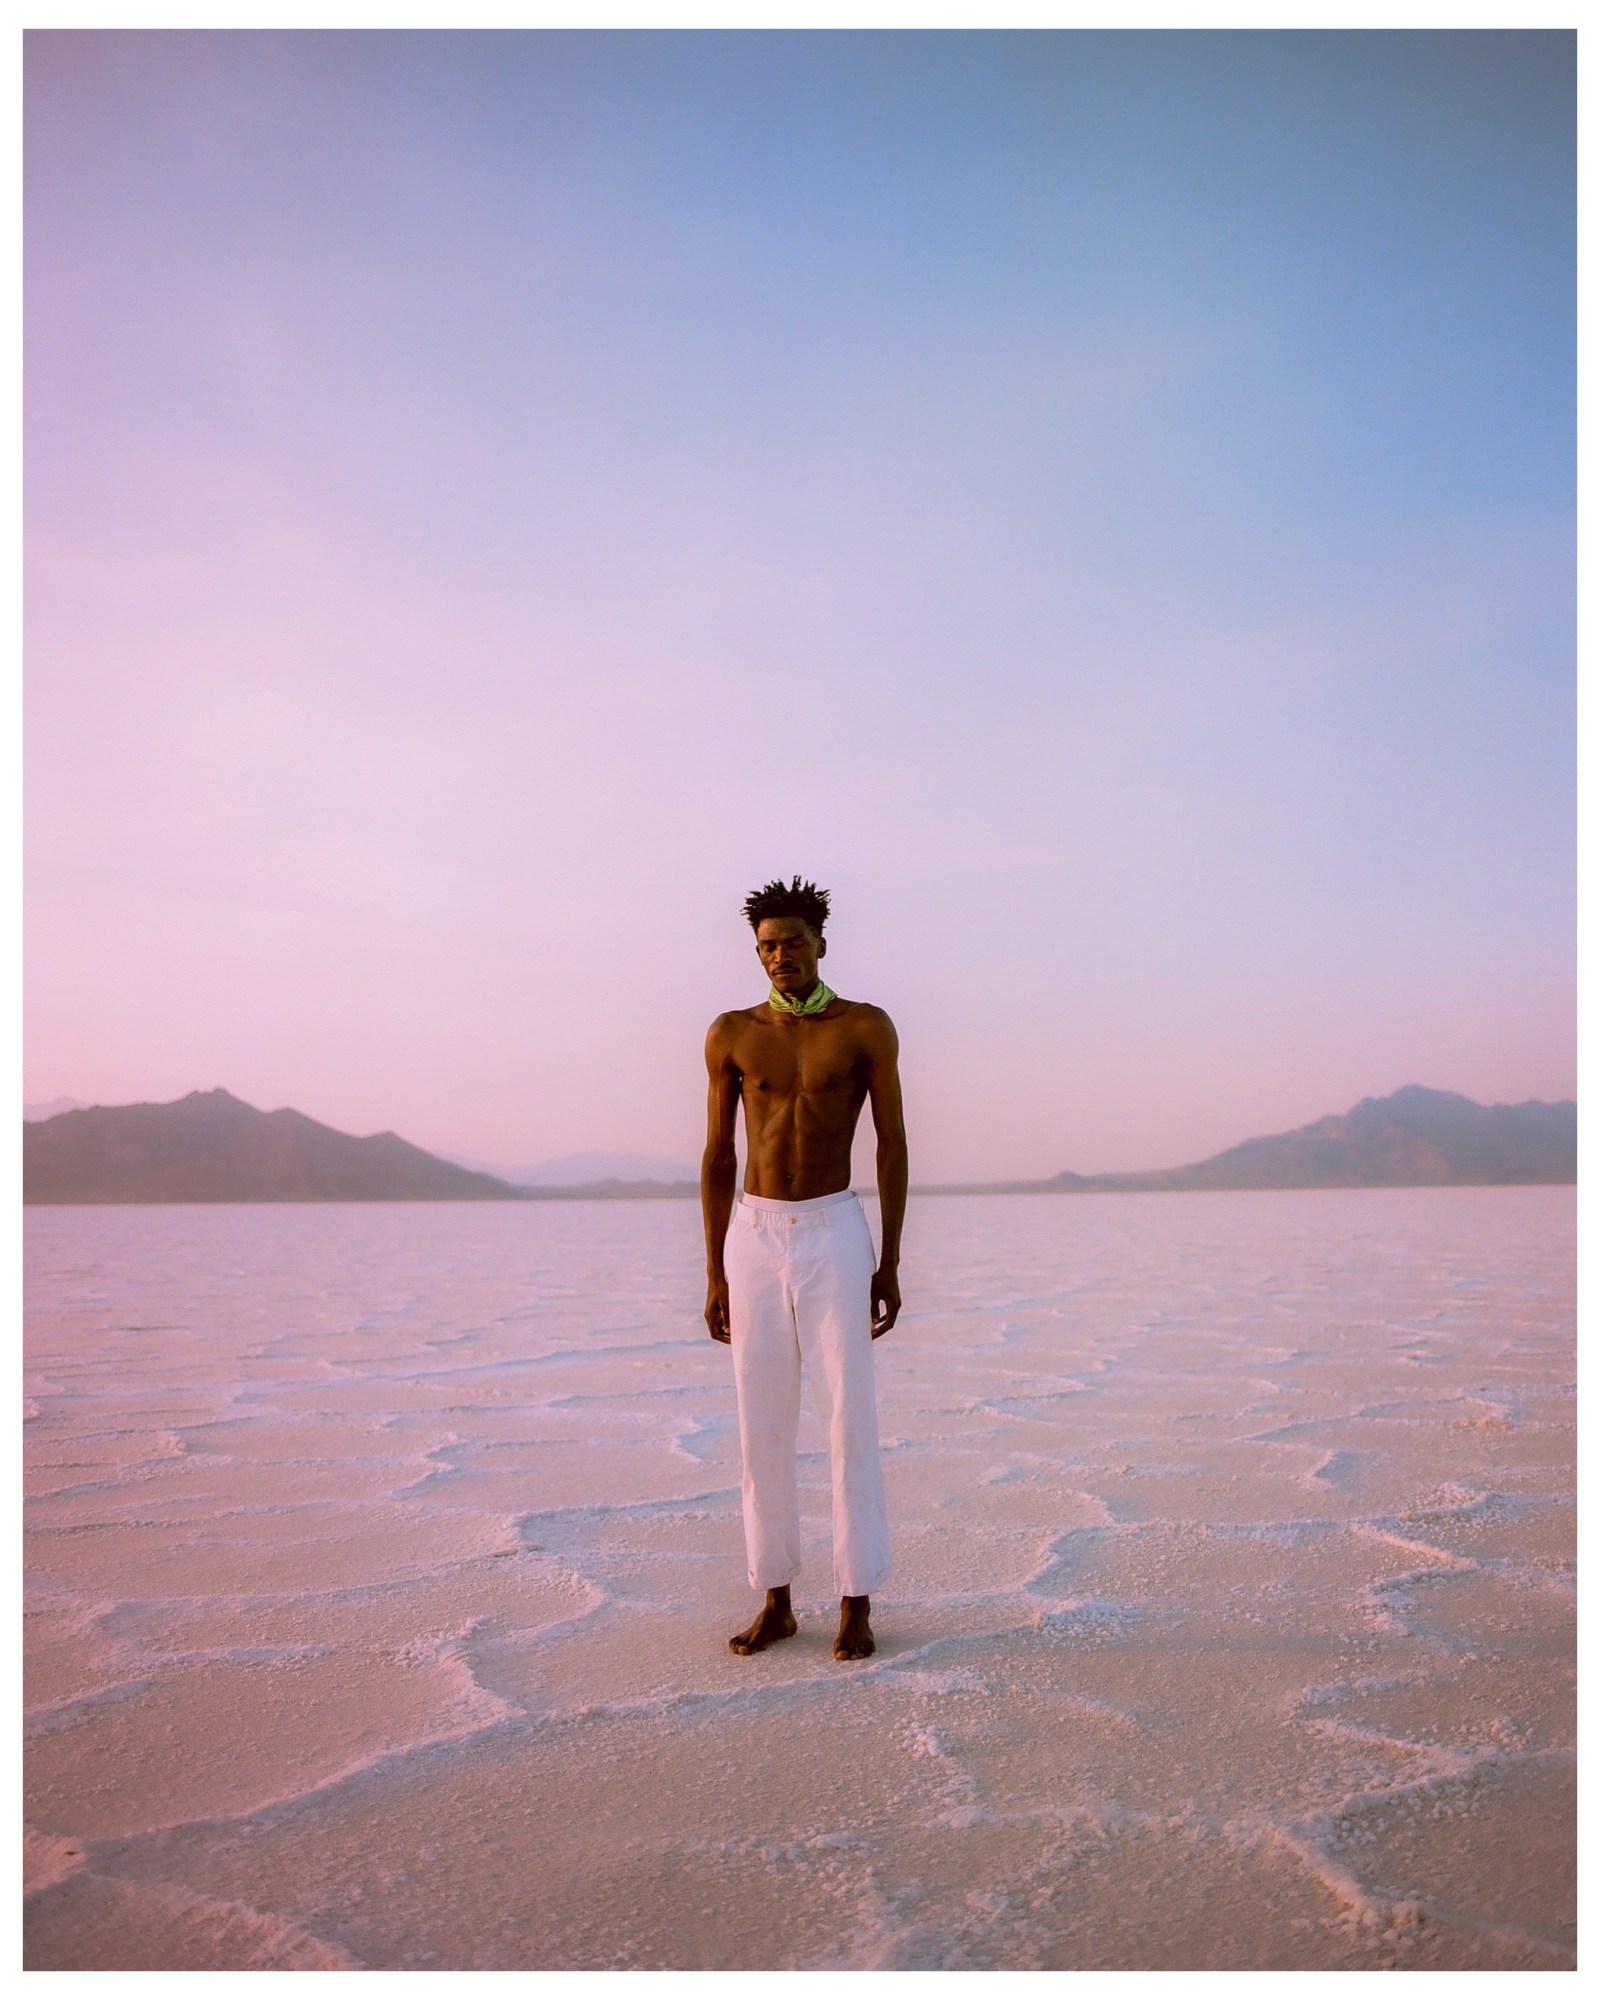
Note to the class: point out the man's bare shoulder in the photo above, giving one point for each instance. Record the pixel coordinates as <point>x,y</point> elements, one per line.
<point>871,1023</point>
<point>727,1027</point>
<point>864,1012</point>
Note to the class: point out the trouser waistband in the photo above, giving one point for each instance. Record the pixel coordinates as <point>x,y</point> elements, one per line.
<point>772,1207</point>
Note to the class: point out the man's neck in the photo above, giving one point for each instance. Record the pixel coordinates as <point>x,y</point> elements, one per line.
<point>813,1000</point>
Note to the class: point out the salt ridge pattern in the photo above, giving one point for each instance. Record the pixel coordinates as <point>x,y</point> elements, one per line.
<point>380,1560</point>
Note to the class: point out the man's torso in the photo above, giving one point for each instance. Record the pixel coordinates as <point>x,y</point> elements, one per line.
<point>803,1083</point>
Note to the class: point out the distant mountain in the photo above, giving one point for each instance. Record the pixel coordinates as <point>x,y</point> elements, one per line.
<point>212,1146</point>
<point>1416,1138</point>
<point>49,1107</point>
<point>588,1170</point>
<point>614,1190</point>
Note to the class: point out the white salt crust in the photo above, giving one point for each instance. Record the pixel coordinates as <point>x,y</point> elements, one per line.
<point>381,1558</point>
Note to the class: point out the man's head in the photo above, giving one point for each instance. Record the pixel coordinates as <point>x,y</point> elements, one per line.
<point>787,919</point>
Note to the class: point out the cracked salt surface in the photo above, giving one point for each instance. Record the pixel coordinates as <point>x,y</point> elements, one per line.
<point>380,1561</point>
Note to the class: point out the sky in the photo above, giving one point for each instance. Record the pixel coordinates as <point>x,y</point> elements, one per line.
<point>1099,503</point>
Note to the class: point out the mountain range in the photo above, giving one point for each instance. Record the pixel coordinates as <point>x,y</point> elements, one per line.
<point>583,1170</point>
<point>212,1146</point>
<point>1414,1138</point>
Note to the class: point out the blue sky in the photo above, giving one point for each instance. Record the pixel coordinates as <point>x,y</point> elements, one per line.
<point>1102,503</point>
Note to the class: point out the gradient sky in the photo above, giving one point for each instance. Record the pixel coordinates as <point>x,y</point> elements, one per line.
<point>1100,503</point>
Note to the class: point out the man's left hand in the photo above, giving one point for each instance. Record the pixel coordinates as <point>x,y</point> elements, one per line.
<point>885,1300</point>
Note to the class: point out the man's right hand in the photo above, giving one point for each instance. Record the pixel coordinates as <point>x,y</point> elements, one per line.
<point>717,1309</point>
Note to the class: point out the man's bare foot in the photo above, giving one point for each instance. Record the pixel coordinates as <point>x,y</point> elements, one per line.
<point>855,1639</point>
<point>774,1621</point>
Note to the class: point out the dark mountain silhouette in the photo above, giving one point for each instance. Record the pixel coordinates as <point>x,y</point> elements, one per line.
<point>1416,1138</point>
<point>212,1146</point>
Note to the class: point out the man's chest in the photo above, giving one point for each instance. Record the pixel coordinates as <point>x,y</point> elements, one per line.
<point>819,1061</point>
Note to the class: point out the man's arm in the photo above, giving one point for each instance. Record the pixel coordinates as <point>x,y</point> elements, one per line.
<point>719,1166</point>
<point>888,1118</point>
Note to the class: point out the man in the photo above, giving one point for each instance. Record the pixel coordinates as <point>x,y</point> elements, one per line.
<point>789,1267</point>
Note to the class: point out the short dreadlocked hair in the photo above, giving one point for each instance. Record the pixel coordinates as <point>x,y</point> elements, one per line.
<point>793,899</point>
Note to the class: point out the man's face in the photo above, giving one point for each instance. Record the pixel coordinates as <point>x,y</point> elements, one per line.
<point>789,949</point>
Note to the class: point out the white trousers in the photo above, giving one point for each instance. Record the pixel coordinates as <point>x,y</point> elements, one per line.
<point>800,1285</point>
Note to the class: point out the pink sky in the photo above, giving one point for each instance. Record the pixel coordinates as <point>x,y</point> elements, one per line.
<point>491,503</point>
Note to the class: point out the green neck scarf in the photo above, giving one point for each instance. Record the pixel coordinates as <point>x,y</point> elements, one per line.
<point>813,1003</point>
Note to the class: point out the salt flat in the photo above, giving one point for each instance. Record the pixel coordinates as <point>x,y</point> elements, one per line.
<point>380,1560</point>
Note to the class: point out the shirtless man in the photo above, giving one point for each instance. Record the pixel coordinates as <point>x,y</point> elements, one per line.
<point>790,1269</point>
